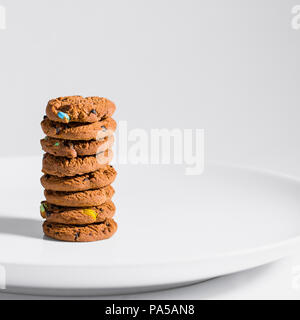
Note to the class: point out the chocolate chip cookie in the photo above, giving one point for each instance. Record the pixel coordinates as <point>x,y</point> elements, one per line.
<point>65,167</point>
<point>89,181</point>
<point>77,216</point>
<point>87,233</point>
<point>79,109</point>
<point>79,131</point>
<point>89,198</point>
<point>73,149</point>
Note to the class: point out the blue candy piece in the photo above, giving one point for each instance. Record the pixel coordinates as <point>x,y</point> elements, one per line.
<point>63,116</point>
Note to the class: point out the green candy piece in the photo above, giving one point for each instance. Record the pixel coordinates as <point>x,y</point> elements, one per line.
<point>42,208</point>
<point>56,144</point>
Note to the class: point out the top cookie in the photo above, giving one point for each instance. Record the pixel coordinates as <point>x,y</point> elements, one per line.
<point>79,109</point>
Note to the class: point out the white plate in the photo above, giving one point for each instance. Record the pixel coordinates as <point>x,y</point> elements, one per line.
<point>173,229</point>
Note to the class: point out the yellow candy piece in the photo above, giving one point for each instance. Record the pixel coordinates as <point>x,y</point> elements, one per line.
<point>90,213</point>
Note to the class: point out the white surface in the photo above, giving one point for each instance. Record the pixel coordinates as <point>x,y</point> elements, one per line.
<point>173,229</point>
<point>273,281</point>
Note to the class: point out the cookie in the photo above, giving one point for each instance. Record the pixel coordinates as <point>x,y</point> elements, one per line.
<point>73,149</point>
<point>94,180</point>
<point>90,198</point>
<point>92,232</point>
<point>79,131</point>
<point>79,109</point>
<point>65,167</point>
<point>77,216</point>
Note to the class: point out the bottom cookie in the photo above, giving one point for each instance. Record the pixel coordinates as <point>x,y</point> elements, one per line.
<point>88,233</point>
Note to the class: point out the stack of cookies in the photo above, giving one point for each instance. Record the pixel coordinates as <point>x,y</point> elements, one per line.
<point>77,175</point>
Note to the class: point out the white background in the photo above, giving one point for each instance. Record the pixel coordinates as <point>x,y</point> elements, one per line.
<point>230,67</point>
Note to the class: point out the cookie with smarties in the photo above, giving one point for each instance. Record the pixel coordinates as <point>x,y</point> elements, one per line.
<point>79,109</point>
<point>79,131</point>
<point>77,215</point>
